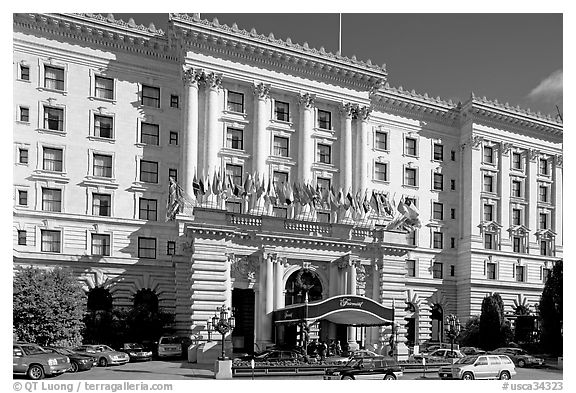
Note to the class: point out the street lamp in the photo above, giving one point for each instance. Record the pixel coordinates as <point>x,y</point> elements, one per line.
<point>209,328</point>
<point>223,324</point>
<point>453,329</point>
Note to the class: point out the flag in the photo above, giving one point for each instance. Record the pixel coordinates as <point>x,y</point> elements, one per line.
<point>195,186</point>
<point>175,202</point>
<point>201,187</point>
<point>247,186</point>
<point>271,194</point>
<point>288,193</point>
<point>280,194</point>
<point>229,187</point>
<point>347,201</point>
<point>387,207</point>
<point>207,183</point>
<point>296,191</point>
<point>366,202</point>
<point>374,203</point>
<point>402,207</point>
<point>260,187</point>
<point>216,183</point>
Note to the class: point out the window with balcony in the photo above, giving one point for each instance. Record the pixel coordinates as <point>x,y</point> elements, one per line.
<point>103,126</point>
<point>324,120</point>
<point>53,78</point>
<point>488,183</point>
<point>235,102</point>
<point>488,212</point>
<point>281,146</point>
<point>437,211</point>
<point>411,268</point>
<point>100,244</point>
<point>147,247</point>
<point>488,155</point>
<point>381,171</point>
<point>53,118</point>
<point>149,171</point>
<point>491,271</point>
<point>410,146</point>
<point>151,96</point>
<point>437,240</point>
<point>324,153</point>
<point>381,140</point>
<point>519,273</point>
<point>410,177</point>
<point>438,153</point>
<point>148,209</point>
<point>234,138</point>
<point>438,182</point>
<point>101,204</point>
<point>102,165</point>
<point>281,111</point>
<point>51,199</point>
<point>103,87</point>
<point>437,270</point>
<point>49,241</point>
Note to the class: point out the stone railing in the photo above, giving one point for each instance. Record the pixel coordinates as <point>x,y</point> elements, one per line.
<point>308,227</point>
<point>244,220</point>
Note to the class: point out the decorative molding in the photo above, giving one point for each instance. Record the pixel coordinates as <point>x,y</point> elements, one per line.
<point>262,91</point>
<point>558,160</point>
<point>363,112</point>
<point>360,278</point>
<point>192,76</point>
<point>475,141</point>
<point>307,100</point>
<point>243,267</point>
<point>212,80</point>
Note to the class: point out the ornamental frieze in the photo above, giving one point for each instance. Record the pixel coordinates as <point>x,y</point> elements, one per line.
<point>307,100</point>
<point>262,91</point>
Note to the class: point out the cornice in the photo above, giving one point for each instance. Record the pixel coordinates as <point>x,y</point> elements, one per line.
<point>192,32</point>
<point>99,30</point>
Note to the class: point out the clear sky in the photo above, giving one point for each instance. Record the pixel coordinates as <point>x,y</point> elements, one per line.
<point>515,58</point>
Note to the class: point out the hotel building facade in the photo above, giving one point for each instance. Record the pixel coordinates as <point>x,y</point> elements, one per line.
<point>105,111</point>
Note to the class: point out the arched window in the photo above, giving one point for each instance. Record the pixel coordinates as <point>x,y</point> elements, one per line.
<point>146,299</point>
<point>295,292</point>
<point>99,298</point>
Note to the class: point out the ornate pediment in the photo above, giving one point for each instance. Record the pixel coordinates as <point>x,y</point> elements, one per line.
<point>545,234</point>
<point>519,230</point>
<point>490,226</point>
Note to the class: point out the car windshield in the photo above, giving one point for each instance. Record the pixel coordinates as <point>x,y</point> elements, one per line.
<point>103,348</point>
<point>63,351</point>
<point>354,362</point>
<point>170,340</point>
<point>132,346</point>
<point>32,349</point>
<point>467,360</point>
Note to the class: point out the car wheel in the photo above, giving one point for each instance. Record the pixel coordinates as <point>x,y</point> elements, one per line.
<point>74,367</point>
<point>103,362</point>
<point>389,377</point>
<point>347,377</point>
<point>468,376</point>
<point>35,372</point>
<point>504,375</point>
<point>521,363</point>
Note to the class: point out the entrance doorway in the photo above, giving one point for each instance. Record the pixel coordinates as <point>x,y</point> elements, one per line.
<point>243,333</point>
<point>437,315</point>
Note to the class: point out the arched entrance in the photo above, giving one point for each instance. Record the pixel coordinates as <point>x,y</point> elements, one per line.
<point>146,299</point>
<point>411,324</point>
<point>437,316</point>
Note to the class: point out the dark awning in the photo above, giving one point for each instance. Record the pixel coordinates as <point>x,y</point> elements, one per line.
<point>343,309</point>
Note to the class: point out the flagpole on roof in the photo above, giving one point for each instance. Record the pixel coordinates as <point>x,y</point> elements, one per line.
<point>340,33</point>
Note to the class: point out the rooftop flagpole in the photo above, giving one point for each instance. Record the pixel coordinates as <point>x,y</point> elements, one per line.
<point>340,34</point>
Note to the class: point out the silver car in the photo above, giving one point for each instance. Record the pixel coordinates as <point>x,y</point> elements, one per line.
<point>104,354</point>
<point>479,367</point>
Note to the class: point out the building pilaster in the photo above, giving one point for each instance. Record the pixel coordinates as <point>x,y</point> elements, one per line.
<point>213,133</point>
<point>346,147</point>
<point>532,175</point>
<point>363,114</point>
<point>504,205</point>
<point>557,199</point>
<point>261,140</point>
<point>306,145</point>
<point>190,77</point>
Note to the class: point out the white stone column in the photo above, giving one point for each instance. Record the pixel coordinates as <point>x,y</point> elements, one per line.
<point>279,283</point>
<point>190,77</point>
<point>213,133</point>
<point>346,157</point>
<point>334,280</point>
<point>557,199</point>
<point>531,177</point>
<point>268,296</point>
<point>261,138</point>
<point>364,175</point>
<point>352,344</point>
<point>504,205</point>
<point>474,182</point>
<point>375,334</point>
<point>306,143</point>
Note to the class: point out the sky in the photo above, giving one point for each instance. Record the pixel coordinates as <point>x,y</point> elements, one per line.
<point>515,58</point>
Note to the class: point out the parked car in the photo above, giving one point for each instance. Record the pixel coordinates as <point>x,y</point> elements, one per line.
<point>105,355</point>
<point>520,357</point>
<point>34,362</point>
<point>471,351</point>
<point>280,355</point>
<point>479,367</point>
<point>78,361</point>
<point>366,368</point>
<point>364,353</point>
<point>136,352</point>
<point>442,354</point>
<point>169,346</point>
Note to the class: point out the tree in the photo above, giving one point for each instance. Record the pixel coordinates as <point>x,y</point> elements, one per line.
<point>48,306</point>
<point>470,334</point>
<point>494,331</point>
<point>551,310</point>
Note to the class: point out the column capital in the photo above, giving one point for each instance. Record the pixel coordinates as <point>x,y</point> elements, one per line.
<point>505,148</point>
<point>262,91</point>
<point>363,112</point>
<point>533,154</point>
<point>558,160</point>
<point>347,109</point>
<point>474,141</point>
<point>307,100</point>
<point>212,80</point>
<point>191,76</point>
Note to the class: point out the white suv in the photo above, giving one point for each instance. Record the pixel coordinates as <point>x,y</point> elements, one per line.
<point>479,367</point>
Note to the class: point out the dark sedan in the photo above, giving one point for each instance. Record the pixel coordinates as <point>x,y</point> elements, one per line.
<point>366,368</point>
<point>78,361</point>
<point>520,357</point>
<point>136,352</point>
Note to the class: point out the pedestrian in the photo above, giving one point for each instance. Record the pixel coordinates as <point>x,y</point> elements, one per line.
<point>338,348</point>
<point>322,350</point>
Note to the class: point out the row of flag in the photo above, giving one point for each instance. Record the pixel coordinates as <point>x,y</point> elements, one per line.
<point>255,190</point>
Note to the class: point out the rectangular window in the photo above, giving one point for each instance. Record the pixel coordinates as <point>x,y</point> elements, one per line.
<point>281,111</point>
<point>516,217</point>
<point>147,247</point>
<point>438,152</point>
<point>322,184</point>
<point>233,207</point>
<point>148,209</point>
<point>51,199</point>
<point>100,244</point>
<point>101,204</point>
<point>438,181</point>
<point>279,178</point>
<point>150,134</point>
<point>437,240</point>
<point>452,214</point>
<point>149,171</point>
<point>103,126</point>
<point>516,244</point>
<point>488,212</point>
<point>280,212</point>
<point>53,118</point>
<point>174,101</point>
<point>410,177</point>
<point>173,138</point>
<point>516,188</point>
<point>50,241</point>
<point>173,173</point>
<point>151,96</point>
<point>53,78</point>
<point>411,238</point>
<point>546,273</point>
<point>519,273</point>
<point>323,217</point>
<point>452,184</point>
<point>235,102</point>
<point>235,172</point>
<point>488,241</point>
<point>452,155</point>
<point>234,138</point>
<point>24,114</point>
<point>410,146</point>
<point>438,211</point>
<point>281,146</point>
<point>381,140</point>
<point>104,87</point>
<point>543,167</point>
<point>543,221</point>
<point>21,238</point>
<point>170,247</point>
<point>517,161</point>
<point>324,153</point>
<point>411,267</point>
<point>24,73</point>
<point>543,194</point>
<point>491,271</point>
<point>488,183</point>
<point>102,165</point>
<point>23,156</point>
<point>52,159</point>
<point>324,120</point>
<point>488,155</point>
<point>543,247</point>
<point>452,270</point>
<point>437,270</point>
<point>381,171</point>
<point>452,242</point>
<point>22,197</point>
